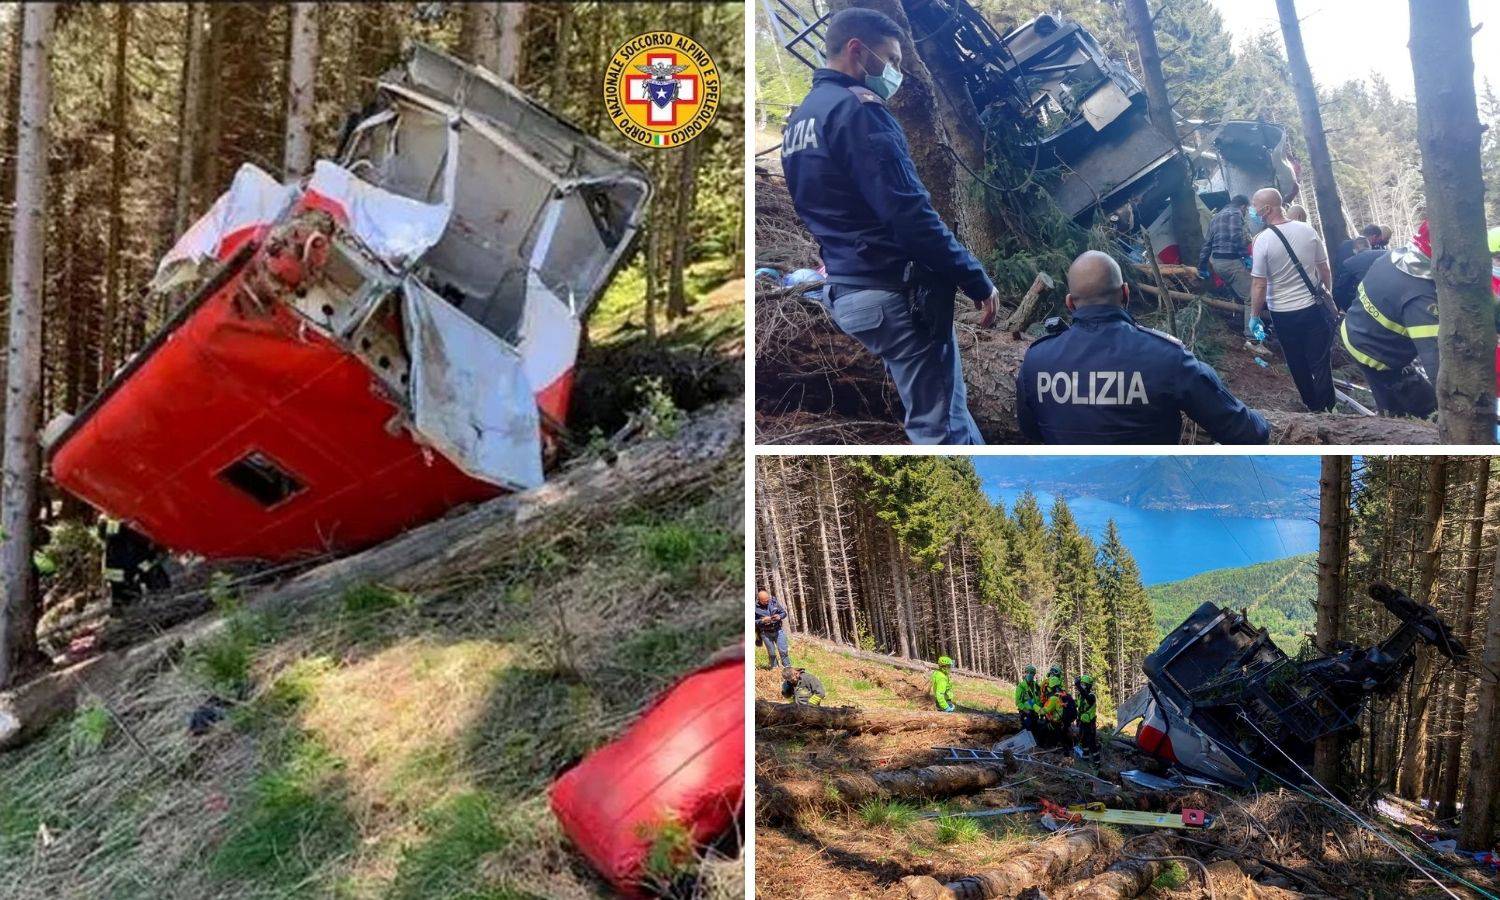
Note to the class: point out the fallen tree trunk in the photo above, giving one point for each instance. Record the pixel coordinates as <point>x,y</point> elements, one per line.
<point>879,721</point>
<point>854,788</point>
<point>1333,428</point>
<point>915,665</point>
<point>437,555</point>
<point>1037,867</point>
<point>1182,297</point>
<point>1125,879</point>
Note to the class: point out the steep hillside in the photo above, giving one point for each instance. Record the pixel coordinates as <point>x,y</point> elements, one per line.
<point>1278,594</point>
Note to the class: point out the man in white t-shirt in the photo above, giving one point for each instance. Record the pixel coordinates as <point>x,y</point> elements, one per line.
<point>1304,318</point>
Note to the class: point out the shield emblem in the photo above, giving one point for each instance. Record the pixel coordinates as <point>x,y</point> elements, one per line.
<point>662,93</point>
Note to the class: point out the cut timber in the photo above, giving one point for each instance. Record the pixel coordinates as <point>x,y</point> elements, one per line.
<point>440,554</point>
<point>1037,867</point>
<point>1021,318</point>
<point>1169,270</point>
<point>1126,878</point>
<point>854,788</point>
<point>871,721</point>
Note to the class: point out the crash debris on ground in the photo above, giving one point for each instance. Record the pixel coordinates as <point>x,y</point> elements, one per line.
<point>938,810</point>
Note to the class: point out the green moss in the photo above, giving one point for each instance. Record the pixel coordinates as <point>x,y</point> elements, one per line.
<point>1174,876</point>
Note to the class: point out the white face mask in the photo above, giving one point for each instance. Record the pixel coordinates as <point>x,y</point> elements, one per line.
<point>1495,269</point>
<point>887,82</point>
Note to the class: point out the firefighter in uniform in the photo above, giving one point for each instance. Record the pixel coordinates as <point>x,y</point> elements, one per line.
<point>1392,324</point>
<point>1088,713</point>
<point>132,564</point>
<point>1108,380</point>
<point>1028,699</point>
<point>854,186</point>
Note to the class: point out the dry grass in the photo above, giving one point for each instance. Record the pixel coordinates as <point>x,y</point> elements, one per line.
<point>386,745</point>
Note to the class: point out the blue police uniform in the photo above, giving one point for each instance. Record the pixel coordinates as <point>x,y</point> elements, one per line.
<point>854,186</point>
<point>1109,380</point>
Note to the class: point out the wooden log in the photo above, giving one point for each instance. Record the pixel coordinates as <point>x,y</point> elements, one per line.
<point>1169,270</point>
<point>709,448</point>
<point>1018,320</point>
<point>854,788</point>
<point>915,665</point>
<point>1334,428</point>
<point>1126,878</point>
<point>1183,297</point>
<point>1037,867</point>
<point>882,721</point>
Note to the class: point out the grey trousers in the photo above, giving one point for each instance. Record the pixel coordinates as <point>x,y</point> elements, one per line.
<point>1237,277</point>
<point>928,374</point>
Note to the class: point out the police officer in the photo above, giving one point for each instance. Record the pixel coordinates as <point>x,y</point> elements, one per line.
<point>854,186</point>
<point>1394,322</point>
<point>1107,380</point>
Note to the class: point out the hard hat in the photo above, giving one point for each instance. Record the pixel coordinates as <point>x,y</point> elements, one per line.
<point>786,673</point>
<point>1086,680</point>
<point>944,661</point>
<point>1031,670</point>
<point>1055,670</point>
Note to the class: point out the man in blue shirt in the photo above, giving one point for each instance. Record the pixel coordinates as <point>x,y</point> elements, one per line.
<point>1108,380</point>
<point>853,184</point>
<point>770,617</point>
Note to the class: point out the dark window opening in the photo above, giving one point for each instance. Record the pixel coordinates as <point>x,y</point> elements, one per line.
<point>266,482</point>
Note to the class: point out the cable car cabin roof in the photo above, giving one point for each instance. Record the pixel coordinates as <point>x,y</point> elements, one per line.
<point>377,344</point>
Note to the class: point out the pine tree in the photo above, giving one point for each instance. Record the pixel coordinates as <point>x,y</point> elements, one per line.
<point>1130,626</point>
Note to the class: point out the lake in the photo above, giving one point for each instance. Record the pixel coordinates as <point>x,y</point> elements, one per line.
<point>1170,545</point>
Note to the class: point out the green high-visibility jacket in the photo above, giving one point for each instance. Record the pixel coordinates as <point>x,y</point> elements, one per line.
<point>1028,696</point>
<point>942,689</point>
<point>1088,707</point>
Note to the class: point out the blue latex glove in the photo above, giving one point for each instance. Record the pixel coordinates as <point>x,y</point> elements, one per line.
<point>1257,328</point>
<point>1248,261</point>
<point>1204,274</point>
<point>949,708</point>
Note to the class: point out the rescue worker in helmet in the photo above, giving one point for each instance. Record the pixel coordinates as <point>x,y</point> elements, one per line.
<point>942,685</point>
<point>1029,699</point>
<point>1058,713</point>
<point>1393,325</point>
<point>1088,713</point>
<point>802,687</point>
<point>1054,682</point>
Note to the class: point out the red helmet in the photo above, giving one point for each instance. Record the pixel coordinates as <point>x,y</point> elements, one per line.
<point>1422,240</point>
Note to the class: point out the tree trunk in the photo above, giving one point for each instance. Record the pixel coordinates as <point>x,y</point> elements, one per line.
<point>1186,226</point>
<point>559,80</point>
<point>1450,134</point>
<point>882,721</point>
<point>687,181</point>
<point>18,490</point>
<point>110,329</point>
<point>902,595</point>
<point>1333,547</point>
<point>512,22</point>
<point>831,602</point>
<point>301,84</point>
<point>1409,782</point>
<point>1477,826</point>
<point>838,539</point>
<point>1447,793</point>
<point>189,112</point>
<point>479,35</point>
<point>1330,207</point>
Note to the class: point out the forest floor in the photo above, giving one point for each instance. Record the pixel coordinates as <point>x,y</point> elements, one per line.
<point>815,385</point>
<point>834,849</point>
<point>383,744</point>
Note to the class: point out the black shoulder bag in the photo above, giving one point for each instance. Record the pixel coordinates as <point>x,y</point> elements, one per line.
<point>1318,293</point>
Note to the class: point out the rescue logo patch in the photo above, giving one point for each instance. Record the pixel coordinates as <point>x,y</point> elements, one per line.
<point>661,89</point>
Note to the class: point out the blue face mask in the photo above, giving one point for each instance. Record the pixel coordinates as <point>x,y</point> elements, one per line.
<point>1256,221</point>
<point>886,83</point>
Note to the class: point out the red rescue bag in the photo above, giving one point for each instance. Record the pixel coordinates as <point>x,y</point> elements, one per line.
<point>682,761</point>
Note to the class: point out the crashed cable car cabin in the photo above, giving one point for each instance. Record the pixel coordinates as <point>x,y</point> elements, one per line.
<point>365,350</point>
<point>1224,702</point>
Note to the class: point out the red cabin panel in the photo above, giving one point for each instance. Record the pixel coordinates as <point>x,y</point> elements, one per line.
<point>223,388</point>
